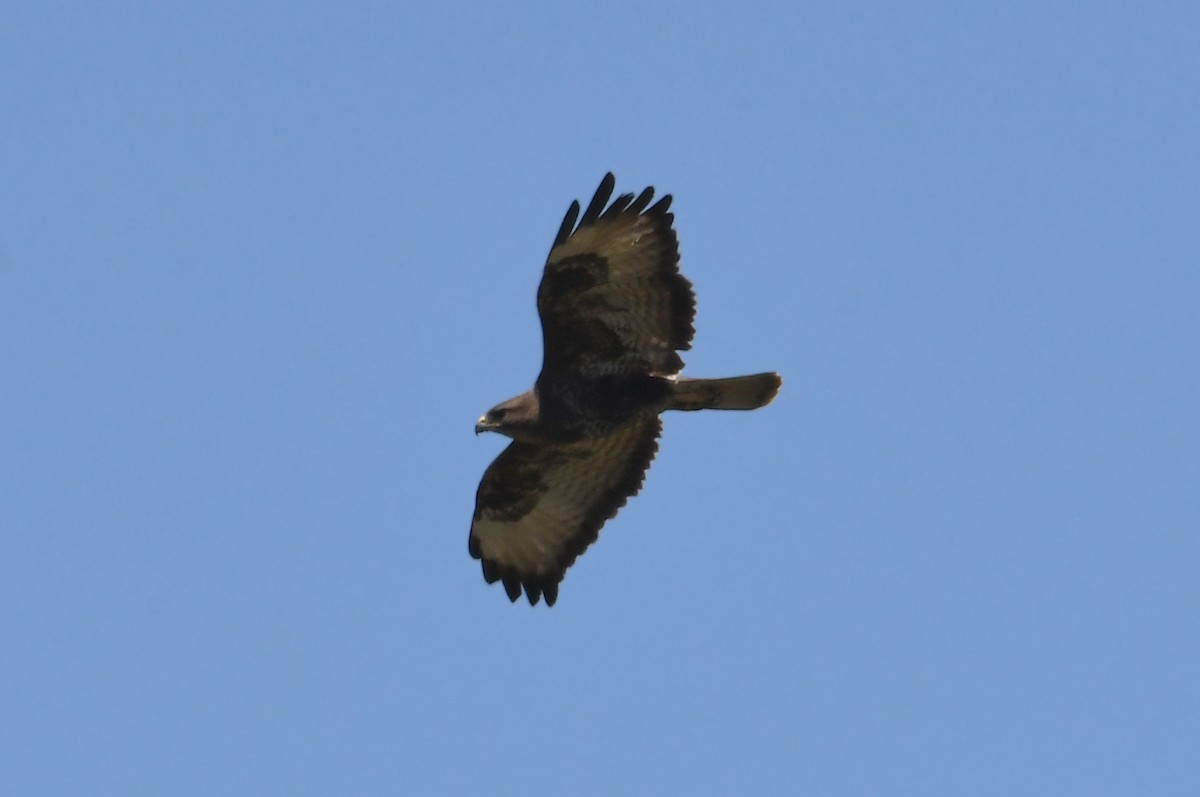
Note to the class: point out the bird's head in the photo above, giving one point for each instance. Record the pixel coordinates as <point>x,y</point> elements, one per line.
<point>515,418</point>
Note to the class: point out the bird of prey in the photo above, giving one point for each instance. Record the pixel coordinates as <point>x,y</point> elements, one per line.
<point>615,311</point>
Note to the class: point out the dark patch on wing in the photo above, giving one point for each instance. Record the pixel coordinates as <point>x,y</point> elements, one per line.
<point>512,485</point>
<point>575,275</point>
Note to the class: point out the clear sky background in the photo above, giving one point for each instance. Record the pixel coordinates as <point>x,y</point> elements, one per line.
<point>263,265</point>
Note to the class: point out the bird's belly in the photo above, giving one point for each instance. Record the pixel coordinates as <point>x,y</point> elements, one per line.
<point>593,407</point>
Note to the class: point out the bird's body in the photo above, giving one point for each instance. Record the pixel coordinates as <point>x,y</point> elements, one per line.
<point>615,311</point>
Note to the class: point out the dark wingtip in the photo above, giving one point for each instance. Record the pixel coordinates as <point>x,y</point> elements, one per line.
<point>542,588</point>
<point>618,206</point>
<point>568,224</point>
<point>596,209</point>
<point>599,200</point>
<point>490,575</point>
<point>642,201</point>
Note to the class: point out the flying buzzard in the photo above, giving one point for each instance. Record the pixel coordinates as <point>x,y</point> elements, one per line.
<point>614,311</point>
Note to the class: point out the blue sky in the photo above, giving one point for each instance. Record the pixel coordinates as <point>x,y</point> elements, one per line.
<point>263,265</point>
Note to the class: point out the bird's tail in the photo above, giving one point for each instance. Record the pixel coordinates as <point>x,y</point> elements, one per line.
<point>733,393</point>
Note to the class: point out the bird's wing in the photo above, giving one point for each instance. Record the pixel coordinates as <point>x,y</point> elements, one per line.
<point>540,506</point>
<point>612,299</point>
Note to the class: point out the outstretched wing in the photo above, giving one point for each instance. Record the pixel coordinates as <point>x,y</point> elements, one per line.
<point>540,506</point>
<point>612,299</point>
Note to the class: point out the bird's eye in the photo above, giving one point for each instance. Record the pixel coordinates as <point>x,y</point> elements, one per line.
<point>498,414</point>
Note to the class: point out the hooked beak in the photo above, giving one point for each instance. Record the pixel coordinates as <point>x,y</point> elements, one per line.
<point>482,425</point>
